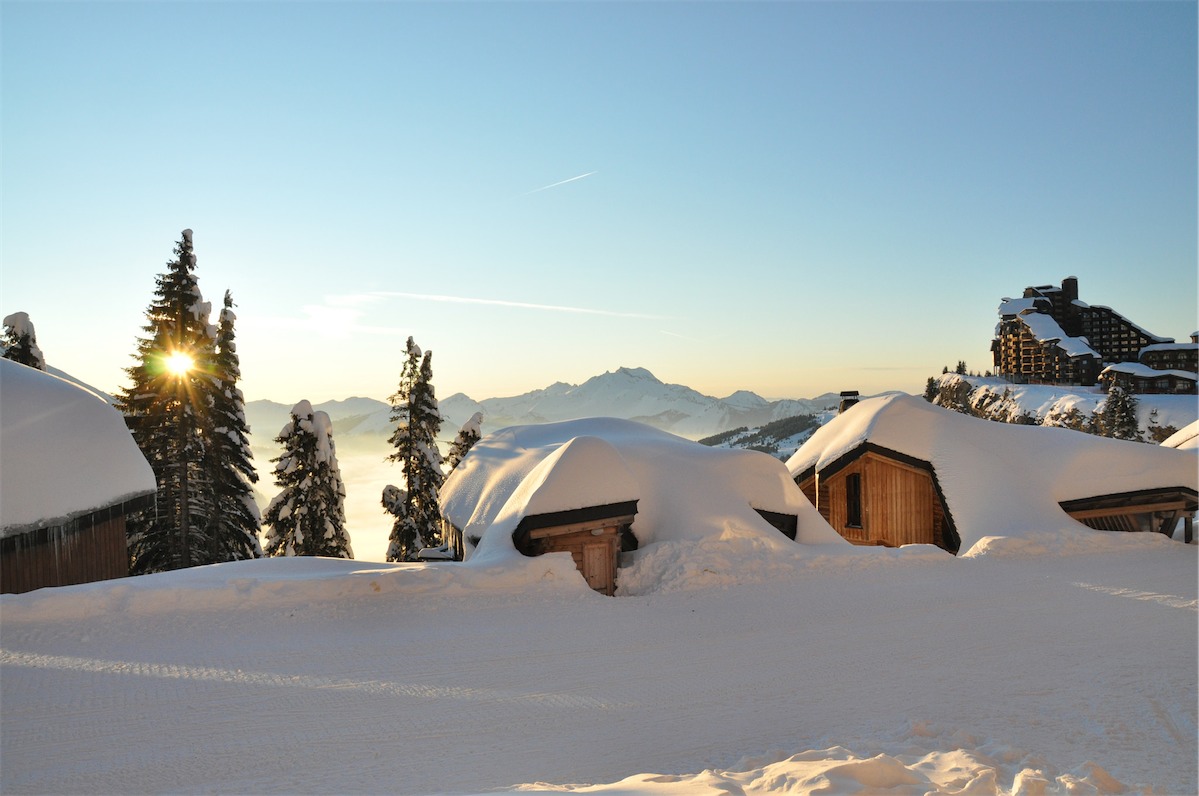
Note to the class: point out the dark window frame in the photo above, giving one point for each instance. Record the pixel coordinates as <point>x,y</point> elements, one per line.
<point>853,500</point>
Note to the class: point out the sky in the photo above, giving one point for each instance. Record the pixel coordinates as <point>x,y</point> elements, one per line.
<point>785,197</point>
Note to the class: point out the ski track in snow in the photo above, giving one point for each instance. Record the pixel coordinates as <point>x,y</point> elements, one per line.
<point>239,677</point>
<point>1170,600</point>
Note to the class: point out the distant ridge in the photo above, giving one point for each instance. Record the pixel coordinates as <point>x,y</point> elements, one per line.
<point>627,393</point>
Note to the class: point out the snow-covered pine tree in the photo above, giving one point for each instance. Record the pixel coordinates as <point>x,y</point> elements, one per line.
<point>405,536</point>
<point>234,519</point>
<point>20,341</point>
<point>167,410</point>
<point>427,476</point>
<point>307,517</point>
<point>1117,415</point>
<point>468,435</point>
<point>418,420</point>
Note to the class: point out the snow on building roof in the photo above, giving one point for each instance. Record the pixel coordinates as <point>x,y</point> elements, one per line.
<point>1170,347</point>
<point>1143,371</point>
<point>1186,438</point>
<point>1016,306</point>
<point>64,452</point>
<point>1046,329</point>
<point>998,479</point>
<point>685,491</point>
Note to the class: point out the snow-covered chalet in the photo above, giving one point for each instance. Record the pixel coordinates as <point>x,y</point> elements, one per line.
<point>600,487</point>
<point>70,472</point>
<point>898,470</point>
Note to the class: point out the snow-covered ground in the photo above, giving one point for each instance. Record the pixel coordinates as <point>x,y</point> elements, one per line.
<point>1059,663</point>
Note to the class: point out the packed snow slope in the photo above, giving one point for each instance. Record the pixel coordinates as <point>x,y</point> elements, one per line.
<point>1059,665</point>
<point>998,479</point>
<point>685,492</point>
<point>64,451</point>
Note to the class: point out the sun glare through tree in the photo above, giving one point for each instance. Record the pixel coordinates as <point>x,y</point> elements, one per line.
<point>179,363</point>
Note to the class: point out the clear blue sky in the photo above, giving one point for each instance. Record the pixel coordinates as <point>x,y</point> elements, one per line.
<point>783,197</point>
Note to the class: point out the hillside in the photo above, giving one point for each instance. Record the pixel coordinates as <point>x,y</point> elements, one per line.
<point>1057,405</point>
<point>626,393</point>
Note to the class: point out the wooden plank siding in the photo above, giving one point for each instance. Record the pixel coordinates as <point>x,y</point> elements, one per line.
<point>899,502</point>
<point>63,556</point>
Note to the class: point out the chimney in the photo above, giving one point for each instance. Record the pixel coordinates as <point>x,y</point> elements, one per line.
<point>1070,289</point>
<point>848,399</point>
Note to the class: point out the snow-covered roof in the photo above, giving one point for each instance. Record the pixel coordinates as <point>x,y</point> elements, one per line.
<point>1016,306</point>
<point>1170,347</point>
<point>684,490</point>
<point>998,479</point>
<point>1186,438</point>
<point>1143,371</point>
<point>1046,330</point>
<point>64,452</point>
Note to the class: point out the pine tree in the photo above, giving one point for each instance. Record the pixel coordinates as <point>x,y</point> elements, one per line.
<point>1155,432</point>
<point>405,539</point>
<point>234,518</point>
<point>167,410</point>
<point>468,435</point>
<point>307,517</point>
<point>930,389</point>
<point>418,420</point>
<point>1070,417</point>
<point>20,341</point>
<point>1117,415</point>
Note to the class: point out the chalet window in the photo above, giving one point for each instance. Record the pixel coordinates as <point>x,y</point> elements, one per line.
<point>853,500</point>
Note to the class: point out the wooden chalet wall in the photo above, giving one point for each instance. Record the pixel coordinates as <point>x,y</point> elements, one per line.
<point>899,503</point>
<point>64,555</point>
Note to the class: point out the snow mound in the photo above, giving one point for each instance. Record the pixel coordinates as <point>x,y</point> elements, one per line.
<point>963,766</point>
<point>723,563</point>
<point>999,479</point>
<point>290,582</point>
<point>685,491</point>
<point>1186,438</point>
<point>64,452</point>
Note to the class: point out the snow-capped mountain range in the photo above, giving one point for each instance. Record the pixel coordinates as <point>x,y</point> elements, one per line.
<point>627,393</point>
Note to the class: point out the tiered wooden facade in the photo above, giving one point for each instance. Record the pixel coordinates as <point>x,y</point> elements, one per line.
<point>876,496</point>
<point>1021,357</point>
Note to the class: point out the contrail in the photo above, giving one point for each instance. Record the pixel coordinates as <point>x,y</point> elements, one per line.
<point>524,305</point>
<point>556,184</point>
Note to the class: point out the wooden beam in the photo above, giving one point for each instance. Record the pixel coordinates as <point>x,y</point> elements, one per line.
<point>1145,508</point>
<point>612,523</point>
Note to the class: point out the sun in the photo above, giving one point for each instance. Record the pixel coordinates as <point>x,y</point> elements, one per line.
<point>179,363</point>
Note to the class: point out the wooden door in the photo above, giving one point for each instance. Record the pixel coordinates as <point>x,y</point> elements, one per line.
<point>597,567</point>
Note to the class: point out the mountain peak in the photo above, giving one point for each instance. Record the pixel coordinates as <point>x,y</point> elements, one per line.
<point>745,399</point>
<point>636,373</point>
